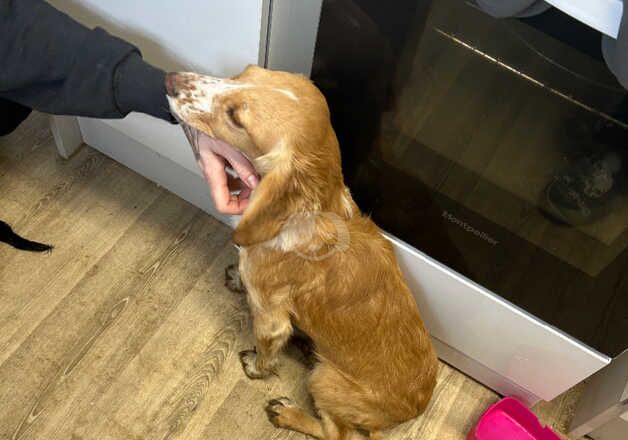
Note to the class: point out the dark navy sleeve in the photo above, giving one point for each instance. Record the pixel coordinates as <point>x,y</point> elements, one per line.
<point>51,63</point>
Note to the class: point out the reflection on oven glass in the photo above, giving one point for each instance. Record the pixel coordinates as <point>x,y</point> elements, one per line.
<point>499,147</point>
<point>521,129</point>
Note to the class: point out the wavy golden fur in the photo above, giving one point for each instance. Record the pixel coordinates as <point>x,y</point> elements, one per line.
<point>309,259</point>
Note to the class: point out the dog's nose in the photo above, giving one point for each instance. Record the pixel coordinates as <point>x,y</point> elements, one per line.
<point>171,84</point>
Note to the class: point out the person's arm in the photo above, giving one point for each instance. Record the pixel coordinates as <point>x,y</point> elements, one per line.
<point>51,63</point>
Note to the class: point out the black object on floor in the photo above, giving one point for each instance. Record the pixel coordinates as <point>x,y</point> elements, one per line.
<point>11,115</point>
<point>8,236</point>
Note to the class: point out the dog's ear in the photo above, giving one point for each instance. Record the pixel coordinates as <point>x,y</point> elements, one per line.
<point>268,212</point>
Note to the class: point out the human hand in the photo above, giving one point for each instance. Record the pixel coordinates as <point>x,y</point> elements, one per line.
<point>222,185</point>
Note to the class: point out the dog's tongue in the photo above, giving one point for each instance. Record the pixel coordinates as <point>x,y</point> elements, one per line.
<point>240,164</point>
<point>237,160</point>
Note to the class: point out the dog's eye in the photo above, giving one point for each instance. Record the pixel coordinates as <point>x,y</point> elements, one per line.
<point>232,114</point>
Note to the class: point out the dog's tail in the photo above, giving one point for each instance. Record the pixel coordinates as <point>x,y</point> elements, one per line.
<point>8,236</point>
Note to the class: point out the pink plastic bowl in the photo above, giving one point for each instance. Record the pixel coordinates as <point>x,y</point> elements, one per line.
<point>510,419</point>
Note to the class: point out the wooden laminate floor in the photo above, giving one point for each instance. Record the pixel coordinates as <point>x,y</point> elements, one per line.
<point>125,330</point>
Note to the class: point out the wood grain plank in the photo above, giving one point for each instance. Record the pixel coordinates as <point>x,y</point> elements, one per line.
<point>28,166</point>
<point>166,384</point>
<point>130,283</point>
<point>81,230</point>
<point>242,416</point>
<point>197,366</point>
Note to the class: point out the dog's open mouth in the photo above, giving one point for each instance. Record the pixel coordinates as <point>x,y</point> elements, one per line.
<point>238,163</point>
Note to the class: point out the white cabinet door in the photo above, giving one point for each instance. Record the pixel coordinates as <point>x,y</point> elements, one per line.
<point>216,37</point>
<point>212,36</point>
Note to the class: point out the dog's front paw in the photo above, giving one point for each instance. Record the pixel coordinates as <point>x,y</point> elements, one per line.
<point>281,412</point>
<point>248,358</point>
<point>233,281</point>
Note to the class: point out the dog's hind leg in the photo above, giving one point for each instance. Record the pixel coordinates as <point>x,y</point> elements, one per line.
<point>349,404</point>
<point>284,414</point>
<point>335,431</point>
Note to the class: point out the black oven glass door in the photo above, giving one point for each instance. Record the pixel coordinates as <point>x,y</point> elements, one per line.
<point>497,146</point>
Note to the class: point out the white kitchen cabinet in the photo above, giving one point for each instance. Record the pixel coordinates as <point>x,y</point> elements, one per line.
<point>215,37</point>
